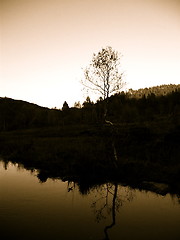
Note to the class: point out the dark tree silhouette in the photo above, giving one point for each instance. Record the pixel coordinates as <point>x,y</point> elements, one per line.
<point>65,106</point>
<point>103,76</point>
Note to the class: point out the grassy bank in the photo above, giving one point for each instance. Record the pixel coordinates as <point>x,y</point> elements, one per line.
<point>84,153</point>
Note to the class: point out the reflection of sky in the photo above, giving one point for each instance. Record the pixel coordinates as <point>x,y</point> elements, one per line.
<point>33,210</point>
<point>45,43</point>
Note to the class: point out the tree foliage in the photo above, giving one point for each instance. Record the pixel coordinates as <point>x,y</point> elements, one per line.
<point>103,76</point>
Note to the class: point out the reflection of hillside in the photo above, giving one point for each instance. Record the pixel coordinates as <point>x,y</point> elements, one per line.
<point>86,158</point>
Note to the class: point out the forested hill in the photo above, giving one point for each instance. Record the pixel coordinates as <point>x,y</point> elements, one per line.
<point>161,90</point>
<point>18,114</point>
<point>157,104</point>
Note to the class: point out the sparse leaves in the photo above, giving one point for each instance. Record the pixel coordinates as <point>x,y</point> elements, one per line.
<point>103,74</point>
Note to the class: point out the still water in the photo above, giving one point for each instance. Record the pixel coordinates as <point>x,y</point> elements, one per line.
<point>56,210</point>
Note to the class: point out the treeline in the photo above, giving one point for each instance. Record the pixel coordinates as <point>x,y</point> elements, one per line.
<point>17,114</point>
<point>161,90</point>
<point>157,104</point>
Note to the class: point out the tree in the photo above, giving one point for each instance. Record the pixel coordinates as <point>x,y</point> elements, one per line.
<point>88,102</point>
<point>65,106</point>
<point>77,104</point>
<point>103,75</point>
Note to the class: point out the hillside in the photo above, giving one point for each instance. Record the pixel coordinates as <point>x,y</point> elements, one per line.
<point>160,105</point>
<point>17,114</point>
<point>161,90</point>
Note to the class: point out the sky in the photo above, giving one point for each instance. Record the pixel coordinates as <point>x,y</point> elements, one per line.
<point>46,44</point>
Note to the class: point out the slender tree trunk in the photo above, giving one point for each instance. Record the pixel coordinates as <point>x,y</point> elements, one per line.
<point>115,158</point>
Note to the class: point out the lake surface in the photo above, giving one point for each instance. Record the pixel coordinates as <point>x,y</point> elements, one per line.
<point>56,210</point>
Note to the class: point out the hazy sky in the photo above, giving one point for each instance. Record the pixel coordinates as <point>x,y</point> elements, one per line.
<point>46,43</point>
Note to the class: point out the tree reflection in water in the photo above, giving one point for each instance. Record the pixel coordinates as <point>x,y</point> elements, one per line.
<point>109,198</point>
<point>113,212</point>
<point>109,203</point>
